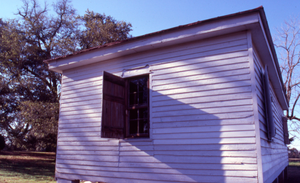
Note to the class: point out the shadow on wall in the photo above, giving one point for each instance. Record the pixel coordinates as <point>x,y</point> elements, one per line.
<point>202,130</point>
<point>187,144</point>
<point>193,145</point>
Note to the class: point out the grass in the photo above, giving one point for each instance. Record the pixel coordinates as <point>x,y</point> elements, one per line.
<point>294,163</point>
<point>27,167</point>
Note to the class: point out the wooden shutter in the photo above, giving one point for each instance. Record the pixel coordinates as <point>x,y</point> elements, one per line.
<point>268,106</point>
<point>285,131</point>
<point>113,108</point>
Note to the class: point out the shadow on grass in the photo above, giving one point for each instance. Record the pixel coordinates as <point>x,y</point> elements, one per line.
<point>293,170</point>
<point>293,174</point>
<point>28,165</point>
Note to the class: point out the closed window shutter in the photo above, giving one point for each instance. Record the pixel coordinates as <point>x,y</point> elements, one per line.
<point>285,130</point>
<point>113,108</point>
<point>268,107</point>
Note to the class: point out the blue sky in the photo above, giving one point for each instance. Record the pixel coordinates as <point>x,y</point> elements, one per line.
<point>148,16</point>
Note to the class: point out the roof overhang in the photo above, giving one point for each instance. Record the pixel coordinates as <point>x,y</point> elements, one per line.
<point>252,20</point>
<point>165,38</point>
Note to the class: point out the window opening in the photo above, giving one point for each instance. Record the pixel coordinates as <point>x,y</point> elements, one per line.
<point>125,109</point>
<point>138,106</point>
<point>271,130</point>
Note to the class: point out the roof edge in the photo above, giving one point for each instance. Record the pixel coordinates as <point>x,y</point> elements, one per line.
<point>272,47</point>
<point>258,9</point>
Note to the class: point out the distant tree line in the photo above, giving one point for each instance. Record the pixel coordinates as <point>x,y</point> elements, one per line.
<point>293,153</point>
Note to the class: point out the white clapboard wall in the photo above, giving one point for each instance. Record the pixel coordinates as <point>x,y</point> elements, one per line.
<point>201,118</point>
<point>275,153</point>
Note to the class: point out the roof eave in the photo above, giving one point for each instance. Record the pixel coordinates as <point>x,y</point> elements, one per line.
<point>166,38</point>
<point>253,20</point>
<point>276,76</point>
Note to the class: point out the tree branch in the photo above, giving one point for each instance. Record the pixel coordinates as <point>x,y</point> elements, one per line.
<point>295,102</point>
<point>44,80</point>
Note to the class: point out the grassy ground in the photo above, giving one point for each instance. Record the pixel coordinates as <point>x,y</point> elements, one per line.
<point>27,167</point>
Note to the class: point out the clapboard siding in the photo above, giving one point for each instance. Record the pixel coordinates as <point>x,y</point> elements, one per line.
<point>201,118</point>
<point>166,171</point>
<point>202,105</point>
<point>187,51</point>
<point>205,135</point>
<point>193,166</point>
<point>212,122</point>
<point>274,154</point>
<point>106,176</point>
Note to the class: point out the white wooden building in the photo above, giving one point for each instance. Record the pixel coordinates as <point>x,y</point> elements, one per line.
<point>192,103</point>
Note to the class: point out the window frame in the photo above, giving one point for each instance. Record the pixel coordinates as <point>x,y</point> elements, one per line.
<point>110,124</point>
<point>285,130</point>
<point>128,107</point>
<point>271,128</point>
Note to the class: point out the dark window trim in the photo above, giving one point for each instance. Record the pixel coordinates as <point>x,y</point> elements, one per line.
<point>285,130</point>
<point>271,129</point>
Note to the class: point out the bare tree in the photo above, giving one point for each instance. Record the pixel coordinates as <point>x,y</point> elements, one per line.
<point>287,43</point>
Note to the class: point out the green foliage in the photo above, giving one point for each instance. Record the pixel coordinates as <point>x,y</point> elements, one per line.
<point>100,29</point>
<point>39,126</point>
<point>29,92</point>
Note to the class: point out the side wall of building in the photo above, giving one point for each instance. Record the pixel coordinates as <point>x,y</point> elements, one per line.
<point>275,153</point>
<point>201,118</point>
